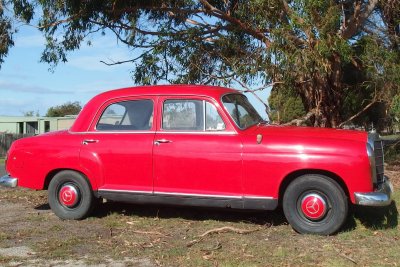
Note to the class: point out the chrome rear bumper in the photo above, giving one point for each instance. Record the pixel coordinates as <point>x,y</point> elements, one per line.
<point>8,181</point>
<point>380,197</point>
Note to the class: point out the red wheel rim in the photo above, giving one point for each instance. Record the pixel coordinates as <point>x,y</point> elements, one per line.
<point>68,195</point>
<point>313,206</point>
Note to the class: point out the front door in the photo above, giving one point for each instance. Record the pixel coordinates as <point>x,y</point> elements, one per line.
<point>196,153</point>
<point>117,149</point>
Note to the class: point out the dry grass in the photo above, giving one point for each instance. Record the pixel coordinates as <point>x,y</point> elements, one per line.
<point>165,235</point>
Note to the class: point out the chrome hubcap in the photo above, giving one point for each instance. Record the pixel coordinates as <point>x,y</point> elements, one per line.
<point>68,195</point>
<point>313,206</point>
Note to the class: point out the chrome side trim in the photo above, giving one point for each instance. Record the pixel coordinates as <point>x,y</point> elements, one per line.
<point>257,197</point>
<point>183,194</point>
<point>380,197</point>
<point>126,191</point>
<point>8,181</point>
<point>195,195</point>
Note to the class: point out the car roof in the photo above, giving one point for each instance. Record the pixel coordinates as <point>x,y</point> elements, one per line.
<point>175,89</point>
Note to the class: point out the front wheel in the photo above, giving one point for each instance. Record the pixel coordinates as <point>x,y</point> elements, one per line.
<point>315,204</point>
<point>70,195</point>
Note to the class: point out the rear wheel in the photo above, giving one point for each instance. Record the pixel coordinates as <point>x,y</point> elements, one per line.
<point>70,195</point>
<point>315,204</point>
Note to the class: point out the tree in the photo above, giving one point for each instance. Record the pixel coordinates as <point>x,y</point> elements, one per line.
<point>395,112</point>
<point>304,45</point>
<point>285,105</point>
<point>31,113</point>
<point>69,108</point>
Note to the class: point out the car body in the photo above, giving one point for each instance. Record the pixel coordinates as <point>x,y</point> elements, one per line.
<point>200,146</point>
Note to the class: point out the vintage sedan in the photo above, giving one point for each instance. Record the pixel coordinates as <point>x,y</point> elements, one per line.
<point>200,146</point>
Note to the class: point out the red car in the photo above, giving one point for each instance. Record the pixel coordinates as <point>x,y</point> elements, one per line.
<point>200,146</point>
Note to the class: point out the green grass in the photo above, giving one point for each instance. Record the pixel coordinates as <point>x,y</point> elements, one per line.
<point>2,160</point>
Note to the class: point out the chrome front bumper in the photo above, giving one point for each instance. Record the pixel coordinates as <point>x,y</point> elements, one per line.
<point>380,197</point>
<point>8,181</point>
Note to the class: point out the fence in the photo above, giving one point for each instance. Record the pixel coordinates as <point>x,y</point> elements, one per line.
<point>6,140</point>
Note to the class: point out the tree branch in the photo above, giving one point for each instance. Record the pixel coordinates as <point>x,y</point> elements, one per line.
<point>59,22</point>
<point>358,113</point>
<point>358,19</point>
<point>227,17</point>
<point>299,122</point>
<point>127,61</point>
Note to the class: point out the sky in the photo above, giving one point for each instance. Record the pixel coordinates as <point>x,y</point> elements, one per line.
<point>26,84</point>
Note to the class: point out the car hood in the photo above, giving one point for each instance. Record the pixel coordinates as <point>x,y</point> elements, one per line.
<point>311,132</point>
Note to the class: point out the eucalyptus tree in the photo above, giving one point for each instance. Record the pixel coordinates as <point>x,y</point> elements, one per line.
<point>306,45</point>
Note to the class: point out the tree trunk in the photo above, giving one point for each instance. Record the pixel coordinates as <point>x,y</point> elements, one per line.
<point>322,92</point>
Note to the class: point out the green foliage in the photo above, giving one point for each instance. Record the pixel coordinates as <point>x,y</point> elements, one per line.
<point>395,111</point>
<point>285,104</point>
<point>69,108</point>
<point>6,37</point>
<point>31,113</point>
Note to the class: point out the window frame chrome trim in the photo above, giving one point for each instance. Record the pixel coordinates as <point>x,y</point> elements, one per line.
<point>126,111</point>
<point>204,130</point>
<point>163,132</point>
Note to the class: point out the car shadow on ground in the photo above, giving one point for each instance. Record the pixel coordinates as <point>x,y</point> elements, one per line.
<point>103,210</point>
<point>373,217</point>
<point>190,213</point>
<point>370,217</point>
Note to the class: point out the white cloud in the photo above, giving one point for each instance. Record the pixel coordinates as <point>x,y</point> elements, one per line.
<point>25,88</point>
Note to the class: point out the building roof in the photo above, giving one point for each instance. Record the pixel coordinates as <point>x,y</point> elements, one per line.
<point>11,119</point>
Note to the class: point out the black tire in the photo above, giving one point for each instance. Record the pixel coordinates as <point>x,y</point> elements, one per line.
<point>310,193</point>
<point>60,201</point>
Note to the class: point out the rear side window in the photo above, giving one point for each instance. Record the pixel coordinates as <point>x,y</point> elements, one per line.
<point>127,116</point>
<point>191,115</point>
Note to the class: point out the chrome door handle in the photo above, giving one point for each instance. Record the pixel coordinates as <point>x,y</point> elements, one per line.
<point>162,141</point>
<point>89,141</point>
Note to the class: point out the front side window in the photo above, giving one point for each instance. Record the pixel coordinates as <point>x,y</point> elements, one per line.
<point>191,115</point>
<point>241,111</point>
<point>127,115</point>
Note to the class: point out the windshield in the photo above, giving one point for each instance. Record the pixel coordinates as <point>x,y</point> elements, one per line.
<point>241,111</point>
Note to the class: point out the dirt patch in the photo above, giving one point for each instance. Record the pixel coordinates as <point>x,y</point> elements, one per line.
<point>19,252</point>
<point>132,235</point>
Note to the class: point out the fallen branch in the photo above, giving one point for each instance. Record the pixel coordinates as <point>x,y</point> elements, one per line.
<point>224,229</point>
<point>228,229</point>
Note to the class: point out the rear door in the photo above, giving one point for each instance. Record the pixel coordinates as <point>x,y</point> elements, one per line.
<point>117,149</point>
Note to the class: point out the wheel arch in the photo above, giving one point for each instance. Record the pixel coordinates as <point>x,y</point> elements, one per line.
<point>53,173</point>
<point>295,174</point>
